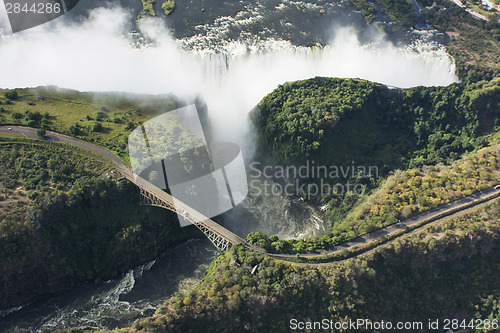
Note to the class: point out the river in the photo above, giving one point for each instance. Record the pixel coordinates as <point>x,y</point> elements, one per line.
<point>117,303</point>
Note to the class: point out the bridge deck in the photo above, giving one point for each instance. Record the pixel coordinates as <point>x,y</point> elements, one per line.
<point>194,216</point>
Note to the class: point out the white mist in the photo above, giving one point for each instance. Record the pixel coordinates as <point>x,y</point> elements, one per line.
<point>96,55</point>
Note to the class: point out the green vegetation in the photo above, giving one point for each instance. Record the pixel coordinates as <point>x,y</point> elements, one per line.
<point>344,122</point>
<point>399,11</point>
<point>408,193</point>
<point>63,222</point>
<point>102,118</point>
<point>11,135</point>
<point>352,122</point>
<point>457,254</point>
<point>401,195</point>
<point>337,121</point>
<point>474,44</point>
<point>168,6</point>
<point>301,8</point>
<point>147,9</point>
<point>41,133</point>
<point>367,9</point>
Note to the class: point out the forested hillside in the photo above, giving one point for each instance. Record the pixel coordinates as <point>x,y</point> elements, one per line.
<point>410,279</point>
<point>63,222</point>
<point>346,122</point>
<point>336,121</point>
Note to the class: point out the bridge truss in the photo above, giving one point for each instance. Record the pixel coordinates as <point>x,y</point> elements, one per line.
<point>149,198</point>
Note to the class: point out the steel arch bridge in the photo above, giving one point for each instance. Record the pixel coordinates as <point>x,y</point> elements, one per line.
<point>217,234</point>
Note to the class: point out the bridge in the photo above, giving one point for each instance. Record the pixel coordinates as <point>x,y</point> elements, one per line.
<point>150,194</point>
<point>217,234</point>
<point>223,238</point>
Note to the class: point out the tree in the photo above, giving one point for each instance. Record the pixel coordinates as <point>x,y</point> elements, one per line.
<point>97,127</point>
<point>75,129</point>
<point>17,115</point>
<point>406,212</point>
<point>130,125</point>
<point>41,133</point>
<point>11,95</point>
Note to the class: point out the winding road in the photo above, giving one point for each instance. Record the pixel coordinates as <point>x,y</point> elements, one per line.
<point>433,215</point>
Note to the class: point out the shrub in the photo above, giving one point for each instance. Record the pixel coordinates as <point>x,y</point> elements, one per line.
<point>41,132</point>
<point>100,115</point>
<point>11,95</point>
<point>97,127</point>
<point>130,126</point>
<point>75,129</point>
<point>17,115</point>
<point>168,6</point>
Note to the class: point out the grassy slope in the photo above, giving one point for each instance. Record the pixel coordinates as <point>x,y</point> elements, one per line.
<point>117,113</point>
<point>31,169</point>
